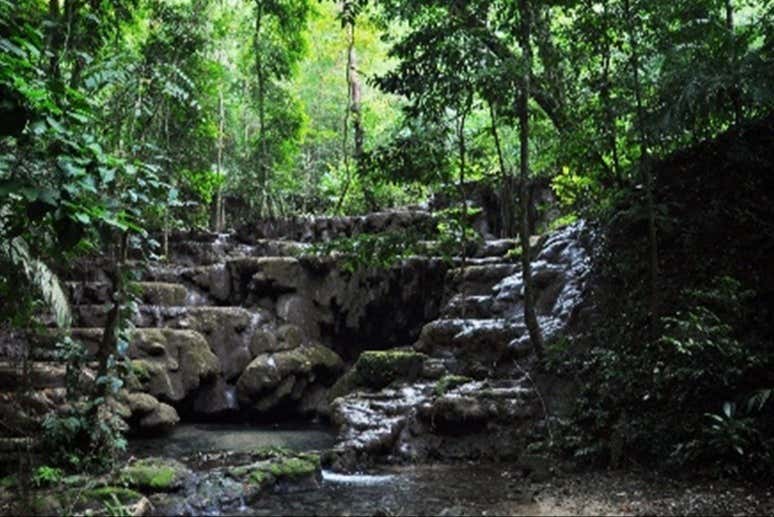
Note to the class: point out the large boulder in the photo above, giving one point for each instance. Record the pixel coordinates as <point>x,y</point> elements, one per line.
<point>272,379</point>
<point>171,364</point>
<point>376,369</point>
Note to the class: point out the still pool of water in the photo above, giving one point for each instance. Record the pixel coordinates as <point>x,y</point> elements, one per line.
<point>189,439</point>
<point>409,490</point>
<point>464,489</point>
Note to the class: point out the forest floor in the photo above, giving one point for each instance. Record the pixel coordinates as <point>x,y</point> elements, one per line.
<point>642,493</point>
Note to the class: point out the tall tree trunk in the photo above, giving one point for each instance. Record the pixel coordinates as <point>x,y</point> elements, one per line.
<point>54,39</point>
<point>735,95</point>
<point>353,110</point>
<point>530,318</point>
<point>260,72</point>
<point>462,150</point>
<point>506,179</point>
<point>645,167</point>
<point>218,219</point>
<point>356,96</point>
<point>610,118</point>
<point>109,344</point>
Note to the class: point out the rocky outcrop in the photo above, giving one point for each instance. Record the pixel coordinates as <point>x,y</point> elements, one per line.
<point>445,414</point>
<point>420,422</point>
<point>277,380</point>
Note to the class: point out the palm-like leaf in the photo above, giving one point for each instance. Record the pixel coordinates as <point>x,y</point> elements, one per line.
<point>40,276</point>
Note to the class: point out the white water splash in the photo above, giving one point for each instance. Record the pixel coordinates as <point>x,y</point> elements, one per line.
<point>356,479</point>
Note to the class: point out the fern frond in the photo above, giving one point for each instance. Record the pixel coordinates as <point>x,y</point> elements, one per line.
<point>41,278</point>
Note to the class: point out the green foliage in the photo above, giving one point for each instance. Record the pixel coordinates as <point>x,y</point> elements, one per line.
<point>561,222</point>
<point>456,232</point>
<point>114,508</point>
<point>660,400</point>
<point>366,251</point>
<point>150,474</point>
<point>87,435</point>
<point>46,476</point>
<point>572,189</point>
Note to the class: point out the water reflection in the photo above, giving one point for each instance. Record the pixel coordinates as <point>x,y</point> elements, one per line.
<point>189,439</point>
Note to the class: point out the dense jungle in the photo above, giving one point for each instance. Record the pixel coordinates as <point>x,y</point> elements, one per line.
<point>386,257</point>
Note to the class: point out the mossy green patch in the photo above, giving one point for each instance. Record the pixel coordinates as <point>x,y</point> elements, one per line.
<point>259,477</point>
<point>106,493</point>
<point>277,464</point>
<point>152,474</point>
<point>378,368</point>
<point>295,468</point>
<point>139,369</point>
<point>272,452</point>
<point>450,382</point>
<point>8,481</point>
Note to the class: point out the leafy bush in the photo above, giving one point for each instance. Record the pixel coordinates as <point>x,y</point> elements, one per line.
<point>46,476</point>
<point>668,398</point>
<point>366,251</point>
<point>87,434</point>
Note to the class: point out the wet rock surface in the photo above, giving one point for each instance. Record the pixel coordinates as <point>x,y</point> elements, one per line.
<point>480,340</point>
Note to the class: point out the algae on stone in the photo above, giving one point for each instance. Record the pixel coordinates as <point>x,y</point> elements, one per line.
<point>450,382</point>
<point>277,465</point>
<point>106,494</point>
<point>154,474</point>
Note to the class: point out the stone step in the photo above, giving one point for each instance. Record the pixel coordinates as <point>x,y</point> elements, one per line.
<point>173,316</point>
<point>151,293</point>
<point>41,375</point>
<point>22,413</point>
<point>481,341</point>
<point>477,307</point>
<point>321,229</point>
<point>234,334</point>
<point>497,248</point>
<point>477,280</point>
<point>169,363</point>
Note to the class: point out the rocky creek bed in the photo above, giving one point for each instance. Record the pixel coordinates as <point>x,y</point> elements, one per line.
<point>237,470</point>
<point>424,371</point>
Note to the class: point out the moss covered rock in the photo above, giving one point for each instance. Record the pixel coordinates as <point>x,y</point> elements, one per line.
<point>280,470</point>
<point>109,494</point>
<point>271,379</point>
<point>376,369</point>
<point>161,293</point>
<point>169,363</point>
<point>154,475</point>
<point>450,382</point>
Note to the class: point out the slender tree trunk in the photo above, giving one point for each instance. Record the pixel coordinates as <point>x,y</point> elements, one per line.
<point>462,150</point>
<point>530,318</point>
<point>645,168</point>
<point>352,110</point>
<point>54,39</point>
<point>610,118</point>
<point>506,210</point>
<point>262,166</point>
<point>735,95</point>
<point>109,344</point>
<point>218,219</point>
<point>356,96</point>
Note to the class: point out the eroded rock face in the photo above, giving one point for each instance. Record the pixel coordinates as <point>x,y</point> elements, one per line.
<point>418,422</point>
<point>172,363</point>
<point>285,378</point>
<point>480,335</point>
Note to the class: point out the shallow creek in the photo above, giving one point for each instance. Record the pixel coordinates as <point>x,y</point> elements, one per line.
<point>406,490</point>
